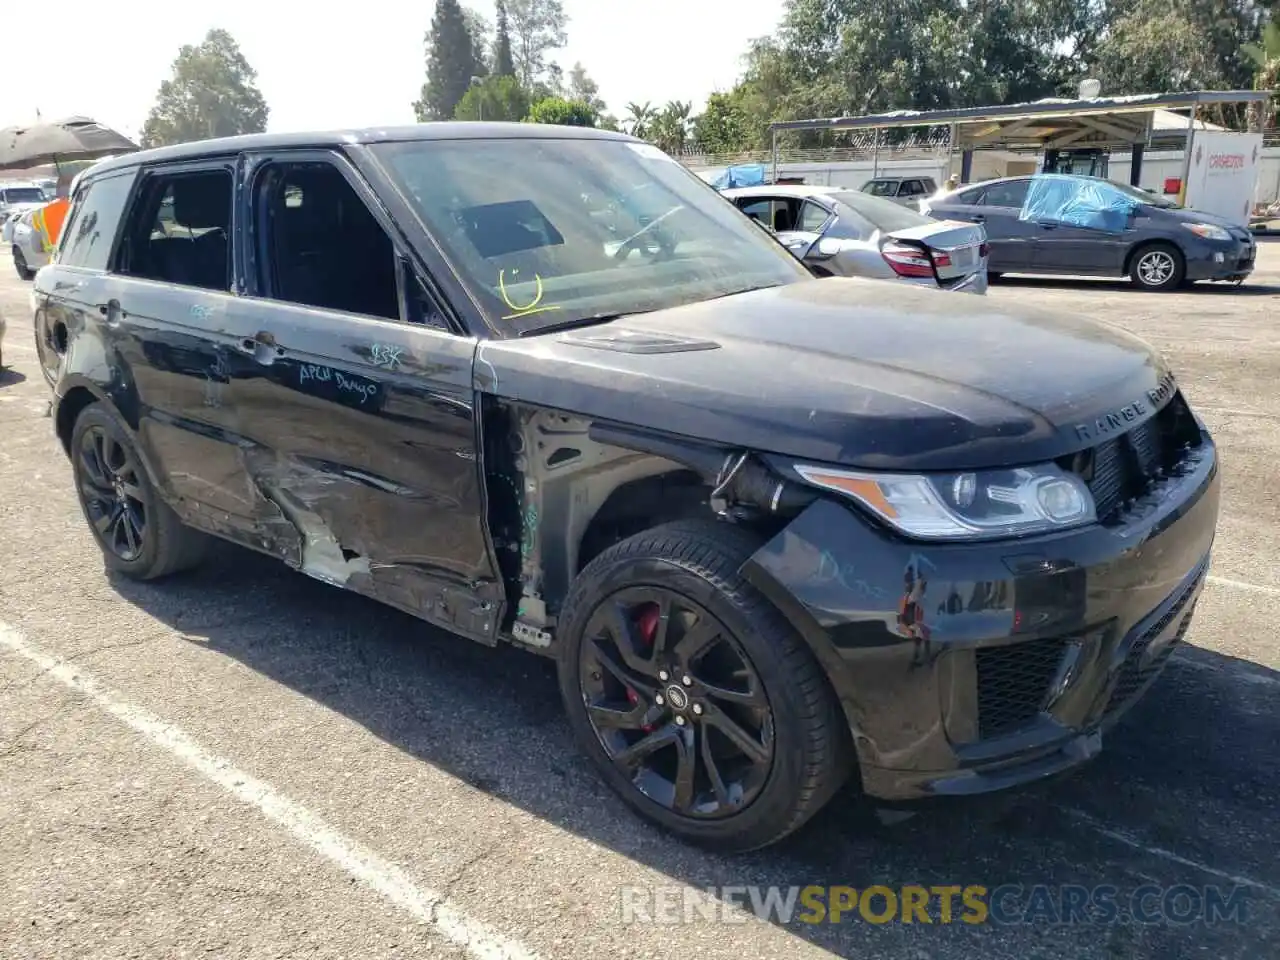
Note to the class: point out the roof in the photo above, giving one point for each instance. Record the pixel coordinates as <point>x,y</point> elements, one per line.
<point>1049,107</point>
<point>782,190</point>
<point>440,130</point>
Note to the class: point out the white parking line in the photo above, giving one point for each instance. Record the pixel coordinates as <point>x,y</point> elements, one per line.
<point>1245,585</point>
<point>393,884</point>
<point>1164,854</point>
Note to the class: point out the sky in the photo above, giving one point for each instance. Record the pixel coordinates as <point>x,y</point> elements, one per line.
<point>324,67</point>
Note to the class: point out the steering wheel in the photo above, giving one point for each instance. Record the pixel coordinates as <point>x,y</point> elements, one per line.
<point>632,242</point>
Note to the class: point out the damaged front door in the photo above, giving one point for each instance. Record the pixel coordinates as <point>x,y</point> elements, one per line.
<point>360,406</point>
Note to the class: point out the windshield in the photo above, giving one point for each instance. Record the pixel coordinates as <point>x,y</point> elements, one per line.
<point>545,232</point>
<point>22,195</point>
<point>885,215</point>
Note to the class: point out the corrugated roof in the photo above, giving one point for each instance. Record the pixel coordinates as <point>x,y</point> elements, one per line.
<point>1047,108</point>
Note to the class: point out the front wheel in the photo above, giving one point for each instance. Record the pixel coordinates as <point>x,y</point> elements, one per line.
<point>20,265</point>
<point>1158,267</point>
<point>139,534</point>
<point>700,704</point>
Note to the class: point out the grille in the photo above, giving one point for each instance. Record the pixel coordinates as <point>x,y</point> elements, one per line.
<point>1123,468</point>
<point>1134,674</point>
<point>1013,682</point>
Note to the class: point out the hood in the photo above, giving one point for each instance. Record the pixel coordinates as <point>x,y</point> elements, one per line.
<point>1187,215</point>
<point>18,209</point>
<point>847,371</point>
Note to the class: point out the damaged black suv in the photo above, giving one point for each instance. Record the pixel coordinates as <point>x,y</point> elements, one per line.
<point>542,386</point>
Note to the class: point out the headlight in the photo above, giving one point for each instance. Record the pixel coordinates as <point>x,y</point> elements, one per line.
<point>965,506</point>
<point>1208,230</point>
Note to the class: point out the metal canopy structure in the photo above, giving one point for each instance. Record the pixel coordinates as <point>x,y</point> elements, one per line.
<point>1110,123</point>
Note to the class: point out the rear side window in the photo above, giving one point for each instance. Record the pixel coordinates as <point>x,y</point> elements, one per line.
<point>92,222</point>
<point>181,230</point>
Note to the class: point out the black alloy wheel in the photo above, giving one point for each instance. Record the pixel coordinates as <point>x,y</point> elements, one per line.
<point>676,703</point>
<point>111,492</point>
<point>700,705</point>
<point>140,535</point>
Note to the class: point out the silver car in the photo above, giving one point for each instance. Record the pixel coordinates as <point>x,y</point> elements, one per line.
<point>26,246</point>
<point>847,233</point>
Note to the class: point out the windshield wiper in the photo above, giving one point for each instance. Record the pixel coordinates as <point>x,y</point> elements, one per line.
<point>591,321</point>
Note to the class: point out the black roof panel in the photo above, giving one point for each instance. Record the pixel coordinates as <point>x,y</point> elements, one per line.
<point>443,130</point>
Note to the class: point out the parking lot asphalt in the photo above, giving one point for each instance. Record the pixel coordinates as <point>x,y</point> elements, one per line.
<point>244,762</point>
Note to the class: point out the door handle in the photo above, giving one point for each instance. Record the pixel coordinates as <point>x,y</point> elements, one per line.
<point>261,346</point>
<point>978,218</point>
<point>111,310</point>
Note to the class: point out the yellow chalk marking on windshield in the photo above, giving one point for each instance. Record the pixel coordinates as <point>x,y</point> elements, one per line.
<point>530,307</point>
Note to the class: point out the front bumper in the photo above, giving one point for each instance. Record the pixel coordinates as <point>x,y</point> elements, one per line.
<point>1232,260</point>
<point>1019,655</point>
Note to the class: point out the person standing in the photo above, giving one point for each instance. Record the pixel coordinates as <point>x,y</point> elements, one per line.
<point>48,220</point>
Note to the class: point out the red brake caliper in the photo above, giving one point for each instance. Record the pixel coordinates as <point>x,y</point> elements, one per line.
<point>647,622</point>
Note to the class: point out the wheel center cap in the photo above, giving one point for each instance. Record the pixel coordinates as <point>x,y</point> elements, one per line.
<point>676,696</point>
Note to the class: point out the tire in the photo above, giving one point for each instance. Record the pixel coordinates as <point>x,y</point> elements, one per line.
<point>20,264</point>
<point>164,544</point>
<point>1157,267</point>
<point>809,746</point>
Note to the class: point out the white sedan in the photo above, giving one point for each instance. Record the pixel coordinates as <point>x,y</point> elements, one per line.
<point>847,233</point>
<point>24,242</point>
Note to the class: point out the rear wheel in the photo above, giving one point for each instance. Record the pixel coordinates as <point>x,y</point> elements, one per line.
<point>139,534</point>
<point>700,704</point>
<point>20,265</point>
<point>1157,267</point>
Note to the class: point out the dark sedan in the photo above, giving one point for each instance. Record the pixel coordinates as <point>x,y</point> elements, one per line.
<point>1086,226</point>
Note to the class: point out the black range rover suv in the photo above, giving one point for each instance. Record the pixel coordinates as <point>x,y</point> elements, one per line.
<point>543,386</point>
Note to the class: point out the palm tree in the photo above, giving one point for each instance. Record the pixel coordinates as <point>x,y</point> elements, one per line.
<point>670,130</point>
<point>639,118</point>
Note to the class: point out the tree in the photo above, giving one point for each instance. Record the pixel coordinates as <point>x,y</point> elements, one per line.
<point>480,30</point>
<point>1158,45</point>
<point>558,110</point>
<point>639,117</point>
<point>670,129</point>
<point>212,94</point>
<point>537,28</point>
<point>583,88</point>
<point>451,63</point>
<point>503,64</point>
<point>1265,56</point>
<point>724,126</point>
<point>497,98</point>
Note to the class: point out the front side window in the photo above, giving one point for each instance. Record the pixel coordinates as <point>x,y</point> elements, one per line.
<point>812,217</point>
<point>1012,193</point>
<point>552,231</point>
<point>881,188</point>
<point>324,248</point>
<point>91,224</point>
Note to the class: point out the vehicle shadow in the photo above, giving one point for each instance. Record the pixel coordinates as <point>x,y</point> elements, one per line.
<point>1115,284</point>
<point>10,377</point>
<point>1188,783</point>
